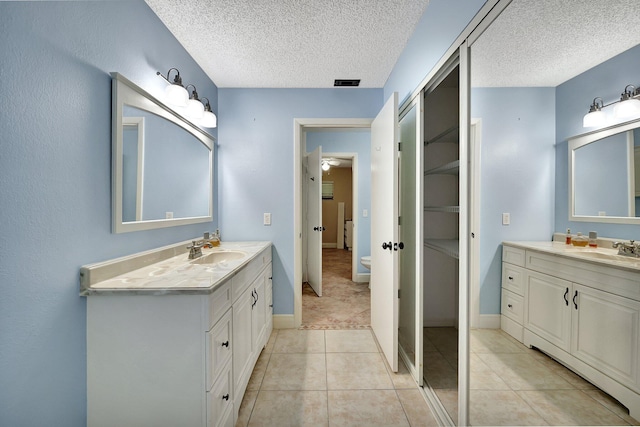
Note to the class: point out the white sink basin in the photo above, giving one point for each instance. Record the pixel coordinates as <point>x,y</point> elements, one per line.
<point>603,254</point>
<point>219,256</point>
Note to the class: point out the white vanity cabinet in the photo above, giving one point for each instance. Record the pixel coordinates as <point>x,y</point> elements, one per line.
<point>585,314</point>
<point>172,358</point>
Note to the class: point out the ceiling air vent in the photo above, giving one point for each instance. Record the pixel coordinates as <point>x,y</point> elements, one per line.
<point>345,82</point>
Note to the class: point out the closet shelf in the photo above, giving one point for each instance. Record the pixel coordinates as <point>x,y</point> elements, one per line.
<point>450,135</point>
<point>450,209</point>
<point>452,168</point>
<point>448,247</point>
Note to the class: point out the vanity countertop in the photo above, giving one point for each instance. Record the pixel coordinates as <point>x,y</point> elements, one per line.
<point>166,271</point>
<point>599,255</point>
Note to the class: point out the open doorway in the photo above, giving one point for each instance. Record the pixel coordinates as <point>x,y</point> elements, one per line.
<point>346,142</point>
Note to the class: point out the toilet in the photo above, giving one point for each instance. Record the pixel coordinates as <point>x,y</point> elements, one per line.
<point>366,261</point>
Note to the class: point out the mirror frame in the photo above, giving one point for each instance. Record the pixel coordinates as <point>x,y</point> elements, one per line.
<point>125,92</point>
<point>585,139</point>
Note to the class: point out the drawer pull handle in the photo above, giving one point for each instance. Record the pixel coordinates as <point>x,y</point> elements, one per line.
<point>510,277</point>
<point>510,305</point>
<point>225,397</point>
<point>225,344</point>
<point>574,300</point>
<point>566,300</point>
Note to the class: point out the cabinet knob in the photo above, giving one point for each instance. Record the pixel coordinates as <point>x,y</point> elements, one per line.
<point>225,397</point>
<point>510,305</point>
<point>225,344</point>
<point>510,277</point>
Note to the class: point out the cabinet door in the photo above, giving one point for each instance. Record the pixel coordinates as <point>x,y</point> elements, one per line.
<point>259,314</point>
<point>605,333</point>
<point>242,339</point>
<point>547,312</point>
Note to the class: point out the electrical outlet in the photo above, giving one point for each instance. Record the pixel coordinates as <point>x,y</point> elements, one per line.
<point>168,215</point>
<point>267,219</point>
<point>506,218</point>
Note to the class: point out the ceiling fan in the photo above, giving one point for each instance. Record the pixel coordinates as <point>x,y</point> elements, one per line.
<point>328,162</point>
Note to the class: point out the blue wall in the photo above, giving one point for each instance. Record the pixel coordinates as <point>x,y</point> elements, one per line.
<point>573,98</point>
<point>256,164</point>
<point>440,25</point>
<point>517,175</point>
<point>355,141</point>
<point>55,186</point>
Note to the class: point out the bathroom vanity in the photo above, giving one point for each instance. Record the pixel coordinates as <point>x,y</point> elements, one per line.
<point>171,340</point>
<point>581,306</point>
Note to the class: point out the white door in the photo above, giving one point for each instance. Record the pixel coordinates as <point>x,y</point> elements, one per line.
<point>314,220</point>
<point>384,229</point>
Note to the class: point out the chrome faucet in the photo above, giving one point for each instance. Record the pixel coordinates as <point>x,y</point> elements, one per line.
<point>195,250</point>
<point>627,249</point>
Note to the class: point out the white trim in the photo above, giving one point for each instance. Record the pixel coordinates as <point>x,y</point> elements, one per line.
<point>488,321</point>
<point>283,321</point>
<point>475,144</point>
<point>362,277</point>
<point>298,127</point>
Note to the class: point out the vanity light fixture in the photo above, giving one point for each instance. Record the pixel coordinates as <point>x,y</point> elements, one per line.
<point>175,93</point>
<point>195,109</point>
<point>209,119</point>
<point>325,165</point>
<point>628,106</point>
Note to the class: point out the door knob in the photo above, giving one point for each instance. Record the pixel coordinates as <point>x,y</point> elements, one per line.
<point>315,228</point>
<point>386,245</point>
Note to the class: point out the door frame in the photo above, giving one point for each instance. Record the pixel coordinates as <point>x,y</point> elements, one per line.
<point>299,145</point>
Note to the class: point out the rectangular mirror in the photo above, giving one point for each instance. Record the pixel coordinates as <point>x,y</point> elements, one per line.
<point>162,164</point>
<point>602,175</point>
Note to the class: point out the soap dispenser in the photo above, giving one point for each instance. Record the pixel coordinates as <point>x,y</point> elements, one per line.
<point>567,239</point>
<point>579,240</point>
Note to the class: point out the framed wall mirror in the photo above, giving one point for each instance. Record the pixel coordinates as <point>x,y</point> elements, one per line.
<point>603,175</point>
<point>162,164</point>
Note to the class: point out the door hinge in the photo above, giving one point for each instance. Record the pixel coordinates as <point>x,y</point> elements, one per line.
<point>398,293</point>
<point>399,146</point>
<point>399,220</point>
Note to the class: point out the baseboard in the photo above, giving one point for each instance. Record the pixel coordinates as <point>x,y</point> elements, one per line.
<point>362,277</point>
<point>329,245</point>
<point>283,321</point>
<point>488,321</point>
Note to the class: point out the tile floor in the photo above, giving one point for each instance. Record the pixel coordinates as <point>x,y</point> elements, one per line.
<point>329,378</point>
<point>511,384</point>
<point>344,304</point>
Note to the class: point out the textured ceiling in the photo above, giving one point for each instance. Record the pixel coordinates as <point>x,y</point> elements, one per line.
<point>547,42</point>
<point>292,43</point>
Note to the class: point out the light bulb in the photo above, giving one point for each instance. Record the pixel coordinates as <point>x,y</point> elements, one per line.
<point>209,120</point>
<point>195,109</point>
<point>627,108</point>
<point>325,166</point>
<point>176,95</point>
<point>593,119</point>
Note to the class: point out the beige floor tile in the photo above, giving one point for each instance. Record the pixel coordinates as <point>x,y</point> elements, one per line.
<point>500,408</point>
<point>365,408</point>
<point>613,405</point>
<point>521,371</point>
<point>290,408</point>
<point>572,378</point>
<point>246,407</point>
<point>350,341</point>
<point>258,371</point>
<point>272,340</point>
<point>299,341</point>
<point>416,408</point>
<point>481,377</point>
<point>438,371</point>
<point>349,371</point>
<point>295,371</point>
<point>401,379</point>
<point>569,407</point>
<point>493,341</point>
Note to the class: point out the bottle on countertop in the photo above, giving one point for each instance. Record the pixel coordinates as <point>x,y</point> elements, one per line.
<point>215,239</point>
<point>579,240</point>
<point>567,239</point>
<point>593,239</point>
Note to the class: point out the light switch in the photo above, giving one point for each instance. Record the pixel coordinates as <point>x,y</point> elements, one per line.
<point>267,218</point>
<point>365,213</point>
<point>506,218</point>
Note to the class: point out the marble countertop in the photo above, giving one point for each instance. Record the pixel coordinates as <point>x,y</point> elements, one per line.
<point>599,255</point>
<point>166,270</point>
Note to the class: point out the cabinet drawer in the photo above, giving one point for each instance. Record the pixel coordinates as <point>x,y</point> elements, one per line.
<point>219,348</point>
<point>513,278</point>
<point>219,302</point>
<point>249,272</point>
<point>513,255</point>
<point>220,399</point>
<point>512,306</point>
